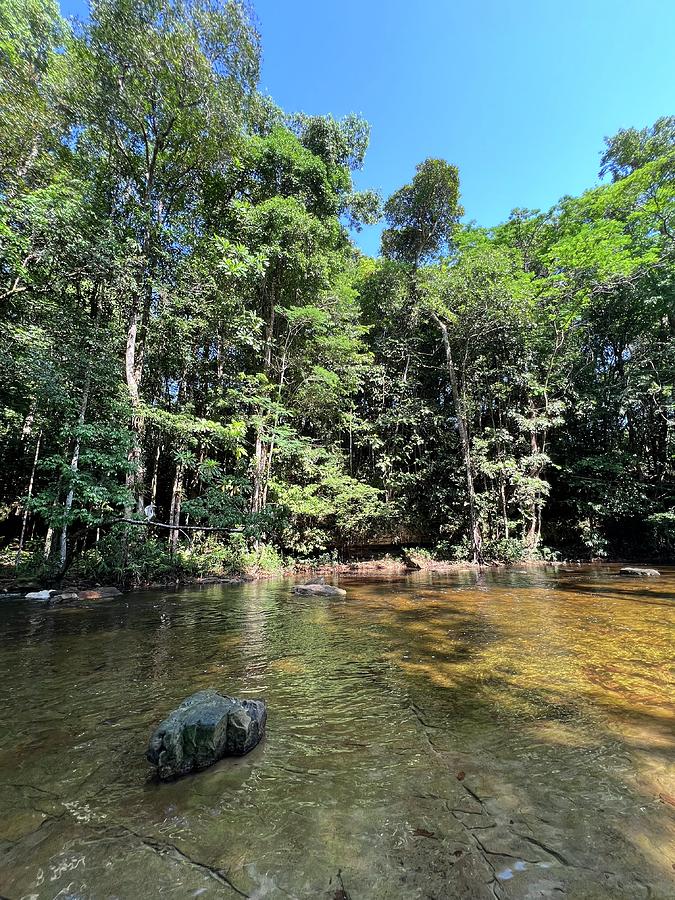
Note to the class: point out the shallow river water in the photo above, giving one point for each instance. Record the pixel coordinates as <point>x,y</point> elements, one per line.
<point>501,736</point>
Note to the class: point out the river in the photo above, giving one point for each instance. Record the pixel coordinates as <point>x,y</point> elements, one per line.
<point>509,735</point>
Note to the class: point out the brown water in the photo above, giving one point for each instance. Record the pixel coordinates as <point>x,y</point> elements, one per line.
<point>428,737</point>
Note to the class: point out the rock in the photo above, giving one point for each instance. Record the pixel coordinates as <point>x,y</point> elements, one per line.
<point>630,571</point>
<point>65,597</point>
<point>40,595</point>
<point>205,727</point>
<point>99,593</point>
<point>323,590</point>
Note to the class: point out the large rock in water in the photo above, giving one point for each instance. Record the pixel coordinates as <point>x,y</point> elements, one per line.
<point>45,595</point>
<point>204,728</point>
<point>323,590</point>
<point>631,571</point>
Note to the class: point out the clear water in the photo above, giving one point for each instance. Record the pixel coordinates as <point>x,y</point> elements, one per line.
<point>504,736</point>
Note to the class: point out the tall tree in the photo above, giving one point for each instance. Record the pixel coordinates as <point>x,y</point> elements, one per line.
<point>162,88</point>
<point>421,218</point>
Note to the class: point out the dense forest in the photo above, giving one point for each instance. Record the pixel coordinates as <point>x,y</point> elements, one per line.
<point>201,372</point>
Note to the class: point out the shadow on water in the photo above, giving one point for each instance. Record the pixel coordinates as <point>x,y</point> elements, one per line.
<point>596,725</point>
<point>428,737</point>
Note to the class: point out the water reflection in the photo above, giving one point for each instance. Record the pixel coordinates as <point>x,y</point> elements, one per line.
<point>550,692</point>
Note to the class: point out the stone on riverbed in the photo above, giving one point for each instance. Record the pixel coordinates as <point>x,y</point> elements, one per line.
<point>630,571</point>
<point>204,728</point>
<point>323,590</point>
<point>41,595</point>
<point>65,597</point>
<point>100,593</point>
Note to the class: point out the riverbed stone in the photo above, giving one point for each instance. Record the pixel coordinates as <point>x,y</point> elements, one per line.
<point>44,595</point>
<point>64,597</point>
<point>204,728</point>
<point>633,572</point>
<point>322,590</point>
<point>100,593</point>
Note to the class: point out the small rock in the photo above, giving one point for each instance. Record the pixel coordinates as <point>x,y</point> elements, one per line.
<point>65,597</point>
<point>323,590</point>
<point>205,727</point>
<point>40,595</point>
<point>99,593</point>
<point>630,571</point>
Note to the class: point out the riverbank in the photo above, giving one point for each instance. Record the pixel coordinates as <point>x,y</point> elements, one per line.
<point>382,566</point>
<point>386,565</point>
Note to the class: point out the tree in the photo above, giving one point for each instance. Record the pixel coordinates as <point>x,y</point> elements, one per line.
<point>161,88</point>
<point>631,148</point>
<point>32,38</point>
<point>421,217</point>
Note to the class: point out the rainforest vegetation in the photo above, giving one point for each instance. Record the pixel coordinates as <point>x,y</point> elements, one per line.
<point>201,371</point>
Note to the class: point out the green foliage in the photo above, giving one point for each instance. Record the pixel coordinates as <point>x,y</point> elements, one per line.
<point>132,557</point>
<point>663,527</point>
<point>631,148</point>
<point>325,504</point>
<point>187,328</point>
<point>421,216</point>
<point>507,550</point>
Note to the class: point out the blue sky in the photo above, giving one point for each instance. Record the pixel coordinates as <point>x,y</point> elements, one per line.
<point>518,93</point>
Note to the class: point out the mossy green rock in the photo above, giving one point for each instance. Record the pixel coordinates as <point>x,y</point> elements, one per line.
<point>204,728</point>
<point>320,590</point>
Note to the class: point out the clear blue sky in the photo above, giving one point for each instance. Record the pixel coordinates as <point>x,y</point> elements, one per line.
<point>518,93</point>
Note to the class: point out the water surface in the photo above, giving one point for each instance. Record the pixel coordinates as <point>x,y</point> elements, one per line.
<point>503,736</point>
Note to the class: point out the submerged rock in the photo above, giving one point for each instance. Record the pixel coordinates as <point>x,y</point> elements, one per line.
<point>100,593</point>
<point>323,590</point>
<point>631,571</point>
<point>204,728</point>
<point>65,597</point>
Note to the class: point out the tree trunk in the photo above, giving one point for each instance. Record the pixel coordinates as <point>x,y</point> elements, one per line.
<point>261,457</point>
<point>49,537</point>
<point>505,513</point>
<point>259,471</point>
<point>74,464</point>
<point>531,538</point>
<point>155,475</point>
<point>465,446</point>
<point>134,373</point>
<point>538,450</point>
<point>31,482</point>
<point>176,502</point>
<point>137,333</point>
